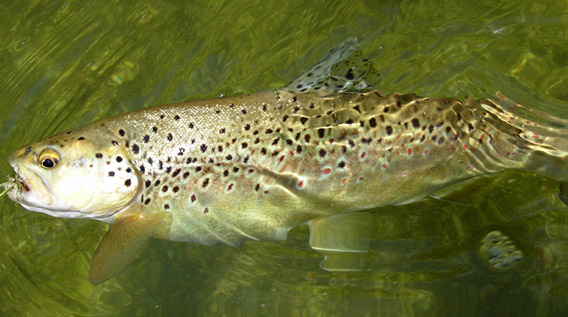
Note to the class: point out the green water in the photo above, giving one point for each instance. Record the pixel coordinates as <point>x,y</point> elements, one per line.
<point>65,63</point>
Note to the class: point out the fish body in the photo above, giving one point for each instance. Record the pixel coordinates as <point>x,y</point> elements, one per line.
<point>254,166</point>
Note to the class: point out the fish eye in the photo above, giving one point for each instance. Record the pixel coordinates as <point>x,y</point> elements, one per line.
<point>48,158</point>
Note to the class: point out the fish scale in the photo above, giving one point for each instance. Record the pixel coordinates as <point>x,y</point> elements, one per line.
<point>256,165</point>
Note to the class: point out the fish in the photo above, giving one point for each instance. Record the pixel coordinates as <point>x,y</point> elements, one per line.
<point>319,151</point>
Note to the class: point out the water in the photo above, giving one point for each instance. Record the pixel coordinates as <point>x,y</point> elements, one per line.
<point>64,64</point>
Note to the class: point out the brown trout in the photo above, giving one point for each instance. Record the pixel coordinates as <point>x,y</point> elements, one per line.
<point>256,165</point>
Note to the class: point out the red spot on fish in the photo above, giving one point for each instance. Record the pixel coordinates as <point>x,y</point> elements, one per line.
<point>327,170</point>
<point>266,191</point>
<point>465,147</point>
<point>206,210</point>
<point>490,140</point>
<point>343,180</point>
<point>330,141</point>
<point>361,179</point>
<point>230,187</point>
<point>282,158</point>
<point>251,170</point>
<point>404,173</point>
<point>363,154</point>
<point>425,152</point>
<point>301,183</point>
<point>384,166</point>
<point>472,167</point>
<point>536,136</point>
<point>431,168</point>
<point>409,151</point>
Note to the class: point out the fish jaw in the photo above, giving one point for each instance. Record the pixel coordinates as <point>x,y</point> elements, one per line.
<point>24,193</point>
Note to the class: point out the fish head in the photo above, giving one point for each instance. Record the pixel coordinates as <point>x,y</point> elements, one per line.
<point>75,174</point>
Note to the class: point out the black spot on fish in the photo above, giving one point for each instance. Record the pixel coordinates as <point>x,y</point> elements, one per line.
<point>321,132</point>
<point>322,153</point>
<point>244,111</point>
<point>263,150</point>
<point>229,157</point>
<point>157,183</point>
<point>155,129</point>
<point>222,130</point>
<point>193,198</point>
<point>81,138</point>
<point>299,149</point>
<point>275,141</point>
<point>128,170</point>
<point>142,169</point>
<point>389,130</point>
<point>121,132</point>
<point>372,123</point>
<point>198,168</point>
<point>185,175</point>
<point>176,117</point>
<point>268,131</point>
<point>147,201</point>
<point>114,143</point>
<point>246,159</point>
<point>386,109</point>
<point>247,127</point>
<point>357,108</point>
<point>416,123</point>
<point>285,118</point>
<point>303,120</point>
<point>175,189</point>
<point>127,183</point>
<point>244,145</point>
<point>341,164</point>
<point>191,126</point>
<point>111,174</point>
<point>307,137</point>
<point>135,149</point>
<point>148,183</point>
<point>257,187</point>
<point>166,206</point>
<point>205,183</point>
<point>165,188</point>
<point>235,169</point>
<point>203,148</point>
<point>170,137</point>
<point>146,138</point>
<point>98,155</point>
<point>168,169</point>
<point>119,159</point>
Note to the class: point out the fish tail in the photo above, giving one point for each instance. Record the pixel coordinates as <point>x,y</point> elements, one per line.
<point>524,138</point>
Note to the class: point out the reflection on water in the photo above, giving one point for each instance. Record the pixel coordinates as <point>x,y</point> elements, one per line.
<point>500,248</point>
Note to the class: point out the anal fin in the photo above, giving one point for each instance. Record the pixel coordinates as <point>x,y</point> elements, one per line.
<point>343,240</point>
<point>121,244</point>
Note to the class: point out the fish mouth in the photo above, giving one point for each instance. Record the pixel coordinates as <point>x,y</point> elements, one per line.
<point>30,189</point>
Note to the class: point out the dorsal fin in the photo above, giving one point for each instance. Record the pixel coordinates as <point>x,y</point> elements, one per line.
<point>342,70</point>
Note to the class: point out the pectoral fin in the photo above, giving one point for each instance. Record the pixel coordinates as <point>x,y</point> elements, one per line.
<point>121,244</point>
<point>343,240</point>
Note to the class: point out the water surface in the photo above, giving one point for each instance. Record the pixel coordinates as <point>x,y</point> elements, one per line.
<point>64,64</point>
